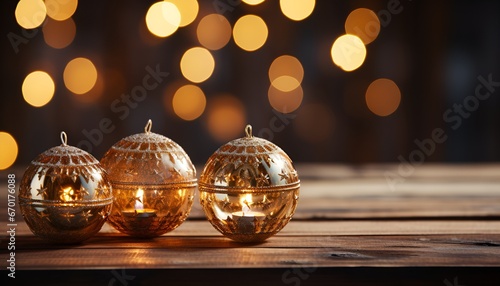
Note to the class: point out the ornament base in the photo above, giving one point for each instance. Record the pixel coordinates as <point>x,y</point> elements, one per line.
<point>66,225</point>
<point>161,210</point>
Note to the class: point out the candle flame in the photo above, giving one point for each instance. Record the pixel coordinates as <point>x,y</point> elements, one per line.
<point>245,204</point>
<point>139,202</point>
<point>67,194</point>
<point>245,209</point>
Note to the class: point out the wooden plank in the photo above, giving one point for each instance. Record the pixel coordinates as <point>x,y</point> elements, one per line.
<point>474,171</point>
<point>398,207</point>
<point>439,217</point>
<point>415,188</point>
<point>332,228</point>
<point>181,252</point>
<point>195,244</point>
<point>379,207</point>
<point>362,192</point>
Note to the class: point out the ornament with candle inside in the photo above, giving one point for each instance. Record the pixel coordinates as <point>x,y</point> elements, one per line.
<point>249,189</point>
<point>153,183</point>
<point>65,195</point>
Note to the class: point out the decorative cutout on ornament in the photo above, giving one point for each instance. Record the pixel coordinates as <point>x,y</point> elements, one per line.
<point>248,189</point>
<point>153,183</point>
<point>64,186</point>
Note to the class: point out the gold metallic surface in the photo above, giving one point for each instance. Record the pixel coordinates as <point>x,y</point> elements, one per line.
<point>153,184</point>
<point>249,189</point>
<point>65,195</point>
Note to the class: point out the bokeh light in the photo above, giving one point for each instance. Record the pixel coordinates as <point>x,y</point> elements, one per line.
<point>286,73</point>
<point>348,52</point>
<point>9,150</point>
<point>30,13</point>
<point>59,34</point>
<point>214,31</point>
<point>297,10</point>
<point>61,10</point>
<point>383,97</point>
<point>163,19</point>
<point>147,37</point>
<point>253,2</point>
<point>188,9</point>
<point>285,102</point>
<point>250,32</point>
<point>197,64</point>
<point>315,123</point>
<point>80,75</point>
<point>189,102</point>
<point>38,88</point>
<point>363,23</point>
<point>94,94</point>
<point>226,118</point>
<point>285,83</point>
<point>169,92</point>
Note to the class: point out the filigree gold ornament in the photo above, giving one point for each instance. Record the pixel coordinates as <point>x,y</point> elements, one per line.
<point>153,183</point>
<point>65,195</point>
<point>249,189</point>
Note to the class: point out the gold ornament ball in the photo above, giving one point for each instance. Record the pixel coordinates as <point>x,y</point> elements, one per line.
<point>249,189</point>
<point>65,195</point>
<point>153,183</point>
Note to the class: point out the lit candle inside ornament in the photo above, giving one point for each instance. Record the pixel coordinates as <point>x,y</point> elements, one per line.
<point>139,210</point>
<point>246,218</point>
<point>67,194</point>
<point>153,181</point>
<point>255,176</point>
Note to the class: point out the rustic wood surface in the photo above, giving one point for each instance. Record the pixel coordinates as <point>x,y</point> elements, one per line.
<point>441,217</point>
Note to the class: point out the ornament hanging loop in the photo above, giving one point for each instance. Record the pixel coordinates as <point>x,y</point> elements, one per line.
<point>248,131</point>
<point>147,129</point>
<point>64,138</point>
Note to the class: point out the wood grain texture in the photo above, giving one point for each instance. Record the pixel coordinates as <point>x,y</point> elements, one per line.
<point>329,227</point>
<point>317,244</point>
<point>350,227</point>
<point>362,192</point>
<point>182,252</point>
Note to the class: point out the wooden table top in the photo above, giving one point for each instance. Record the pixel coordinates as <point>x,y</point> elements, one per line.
<point>439,225</point>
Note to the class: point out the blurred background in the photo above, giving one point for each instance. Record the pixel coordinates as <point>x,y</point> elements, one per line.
<point>327,81</point>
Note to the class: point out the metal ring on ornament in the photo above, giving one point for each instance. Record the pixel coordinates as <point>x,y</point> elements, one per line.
<point>42,203</point>
<point>247,190</point>
<point>164,186</point>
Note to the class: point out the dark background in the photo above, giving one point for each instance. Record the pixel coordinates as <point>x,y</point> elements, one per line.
<point>433,50</point>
